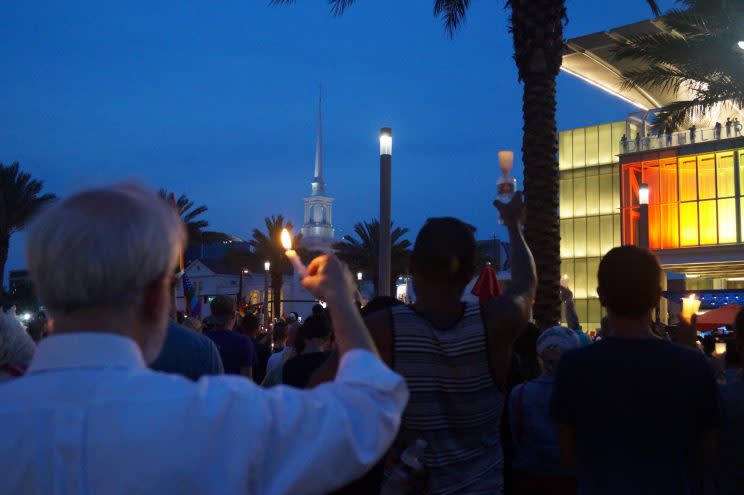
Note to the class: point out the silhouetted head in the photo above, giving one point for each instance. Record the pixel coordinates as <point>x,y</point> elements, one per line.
<point>379,303</point>
<point>444,255</point>
<point>249,325</point>
<point>223,312</point>
<point>629,282</point>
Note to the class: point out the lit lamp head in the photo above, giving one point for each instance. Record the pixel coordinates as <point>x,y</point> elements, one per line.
<point>359,276</point>
<point>643,194</point>
<point>386,141</point>
<point>245,271</point>
<point>506,161</point>
<point>740,45</point>
<point>267,266</point>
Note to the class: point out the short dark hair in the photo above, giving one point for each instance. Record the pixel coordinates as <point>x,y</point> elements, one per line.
<point>379,303</point>
<point>280,331</point>
<point>318,309</point>
<point>315,327</point>
<point>223,308</point>
<point>629,281</point>
<point>445,251</point>
<point>249,323</point>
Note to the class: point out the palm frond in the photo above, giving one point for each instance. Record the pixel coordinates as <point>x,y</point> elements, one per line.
<point>452,13</point>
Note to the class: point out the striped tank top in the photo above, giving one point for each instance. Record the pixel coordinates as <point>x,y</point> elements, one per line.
<point>454,403</point>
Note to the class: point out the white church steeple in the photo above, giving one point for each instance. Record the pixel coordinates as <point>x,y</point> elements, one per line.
<point>317,231</point>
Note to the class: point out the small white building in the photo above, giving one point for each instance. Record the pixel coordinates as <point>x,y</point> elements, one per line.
<point>211,279</point>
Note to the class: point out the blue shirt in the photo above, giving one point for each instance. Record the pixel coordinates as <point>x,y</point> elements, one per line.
<point>188,353</point>
<point>638,409</point>
<point>533,429</point>
<point>236,350</point>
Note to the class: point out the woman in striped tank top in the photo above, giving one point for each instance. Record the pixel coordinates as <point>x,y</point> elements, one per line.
<point>454,355</point>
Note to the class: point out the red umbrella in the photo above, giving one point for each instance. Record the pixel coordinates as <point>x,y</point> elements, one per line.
<point>719,317</point>
<point>487,286</point>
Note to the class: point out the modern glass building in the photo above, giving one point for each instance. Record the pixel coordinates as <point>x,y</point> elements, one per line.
<point>695,181</point>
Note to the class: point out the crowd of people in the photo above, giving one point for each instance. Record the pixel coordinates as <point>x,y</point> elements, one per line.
<point>434,397</point>
<point>664,136</point>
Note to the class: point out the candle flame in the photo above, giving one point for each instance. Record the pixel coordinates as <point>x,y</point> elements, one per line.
<point>692,297</point>
<point>286,239</point>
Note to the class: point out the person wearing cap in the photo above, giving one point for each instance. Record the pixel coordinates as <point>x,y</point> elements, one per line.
<point>537,464</point>
<point>237,351</point>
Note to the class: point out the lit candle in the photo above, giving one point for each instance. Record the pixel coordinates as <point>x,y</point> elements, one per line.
<point>292,254</point>
<point>690,306</point>
<point>720,348</point>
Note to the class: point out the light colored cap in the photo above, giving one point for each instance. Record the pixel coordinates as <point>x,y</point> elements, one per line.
<point>562,338</point>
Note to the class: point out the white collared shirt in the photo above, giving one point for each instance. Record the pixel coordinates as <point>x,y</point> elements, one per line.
<point>90,418</point>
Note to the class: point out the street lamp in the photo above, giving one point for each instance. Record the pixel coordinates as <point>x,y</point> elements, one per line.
<point>386,161</point>
<point>643,193</point>
<point>267,269</point>
<point>740,45</point>
<point>243,271</point>
<point>359,276</point>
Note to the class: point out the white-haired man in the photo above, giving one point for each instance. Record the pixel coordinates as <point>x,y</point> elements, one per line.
<point>90,417</point>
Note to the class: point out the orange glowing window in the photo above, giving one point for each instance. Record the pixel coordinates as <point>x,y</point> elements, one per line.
<point>708,223</point>
<point>669,226</point>
<point>688,179</point>
<point>726,221</point>
<point>688,224</point>
<point>651,178</point>
<point>630,226</point>
<point>654,226</point>
<point>706,177</point>
<point>668,181</point>
<point>631,181</point>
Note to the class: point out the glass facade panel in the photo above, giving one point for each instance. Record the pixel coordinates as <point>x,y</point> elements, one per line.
<point>605,194</point>
<point>687,179</point>
<point>567,246</point>
<point>579,149</point>
<point>631,182</point>
<point>606,234</point>
<point>581,280</point>
<point>725,174</point>
<point>708,221</point>
<point>592,195</point>
<point>651,179</point>
<point>617,222</point>
<point>668,181</point>
<point>654,226</point>
<point>591,136</point>
<point>592,267</point>
<point>592,239</point>
<point>727,221</point>
<point>566,194</point>
<point>669,226</point>
<point>595,314</point>
<point>618,129</point>
<point>579,237</point>
<point>706,177</point>
<point>605,144</point>
<point>565,150</point>
<point>567,268</point>
<point>688,228</point>
<point>579,197</point>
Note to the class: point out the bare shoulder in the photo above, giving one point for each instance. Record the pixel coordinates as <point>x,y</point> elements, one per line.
<point>505,317</point>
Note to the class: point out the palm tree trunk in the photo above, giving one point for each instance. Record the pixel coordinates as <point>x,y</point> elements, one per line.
<point>537,27</point>
<point>4,245</point>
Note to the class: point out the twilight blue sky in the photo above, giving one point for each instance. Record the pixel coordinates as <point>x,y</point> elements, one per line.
<point>217,100</point>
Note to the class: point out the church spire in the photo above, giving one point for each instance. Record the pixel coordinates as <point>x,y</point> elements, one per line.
<point>318,184</point>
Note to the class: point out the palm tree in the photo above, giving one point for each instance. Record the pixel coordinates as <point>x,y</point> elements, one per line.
<point>19,202</point>
<point>361,254</point>
<point>267,247</point>
<point>537,29</point>
<point>194,226</point>
<point>698,53</point>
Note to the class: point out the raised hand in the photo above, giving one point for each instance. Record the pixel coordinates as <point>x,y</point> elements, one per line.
<point>328,279</point>
<point>512,213</point>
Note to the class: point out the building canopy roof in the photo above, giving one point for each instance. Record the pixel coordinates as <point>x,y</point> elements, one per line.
<point>591,58</point>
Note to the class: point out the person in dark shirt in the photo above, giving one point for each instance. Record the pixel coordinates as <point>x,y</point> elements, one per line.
<point>188,353</point>
<point>635,414</point>
<point>310,343</point>
<point>237,352</point>
<point>249,327</point>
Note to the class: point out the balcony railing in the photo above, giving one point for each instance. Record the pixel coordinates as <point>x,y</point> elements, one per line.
<point>681,138</point>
